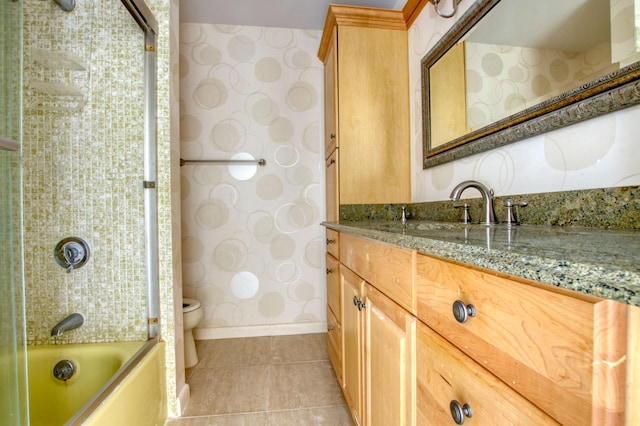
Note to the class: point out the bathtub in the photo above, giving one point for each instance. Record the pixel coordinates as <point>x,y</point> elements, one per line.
<point>103,370</point>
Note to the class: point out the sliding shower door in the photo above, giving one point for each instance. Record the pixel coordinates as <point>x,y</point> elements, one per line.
<point>13,382</point>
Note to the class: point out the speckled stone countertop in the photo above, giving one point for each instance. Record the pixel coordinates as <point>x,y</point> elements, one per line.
<point>600,262</point>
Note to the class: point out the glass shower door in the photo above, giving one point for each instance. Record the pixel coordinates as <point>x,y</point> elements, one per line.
<point>13,374</point>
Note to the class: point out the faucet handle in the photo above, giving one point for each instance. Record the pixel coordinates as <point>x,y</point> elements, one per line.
<point>511,214</point>
<point>466,216</point>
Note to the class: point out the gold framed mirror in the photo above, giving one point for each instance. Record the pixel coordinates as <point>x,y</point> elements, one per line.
<point>509,70</point>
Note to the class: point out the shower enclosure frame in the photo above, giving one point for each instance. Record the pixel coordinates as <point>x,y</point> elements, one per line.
<point>147,22</point>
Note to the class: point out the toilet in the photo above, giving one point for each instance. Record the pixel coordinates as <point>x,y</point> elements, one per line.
<point>192,314</point>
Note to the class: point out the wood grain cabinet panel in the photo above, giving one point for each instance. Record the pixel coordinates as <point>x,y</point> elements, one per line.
<point>563,351</point>
<point>353,343</point>
<point>334,344</point>
<point>334,294</point>
<point>389,268</point>
<point>389,361</point>
<point>445,375</point>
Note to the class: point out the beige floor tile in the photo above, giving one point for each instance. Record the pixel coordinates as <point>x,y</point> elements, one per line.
<point>322,416</point>
<point>249,419</point>
<point>228,352</point>
<point>303,385</point>
<point>228,390</point>
<point>297,348</point>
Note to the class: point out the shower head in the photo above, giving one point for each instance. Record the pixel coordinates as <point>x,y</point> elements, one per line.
<point>66,5</point>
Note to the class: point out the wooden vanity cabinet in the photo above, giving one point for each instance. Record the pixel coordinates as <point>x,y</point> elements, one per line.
<point>379,333</point>
<point>353,343</point>
<point>446,376</point>
<point>334,303</point>
<point>366,75</point>
<point>563,351</point>
<point>389,368</point>
<point>517,352</point>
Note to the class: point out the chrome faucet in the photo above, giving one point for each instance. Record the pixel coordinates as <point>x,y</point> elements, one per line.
<point>71,322</point>
<point>487,196</point>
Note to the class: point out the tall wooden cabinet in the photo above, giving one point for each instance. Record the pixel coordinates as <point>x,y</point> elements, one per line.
<point>365,58</point>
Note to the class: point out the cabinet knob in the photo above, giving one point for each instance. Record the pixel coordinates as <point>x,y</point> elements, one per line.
<point>330,241</point>
<point>329,271</point>
<point>361,305</point>
<point>355,300</point>
<point>329,328</point>
<point>459,412</point>
<point>462,312</point>
<point>332,136</point>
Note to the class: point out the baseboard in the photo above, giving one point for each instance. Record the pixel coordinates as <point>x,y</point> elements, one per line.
<point>259,330</point>
<point>184,396</point>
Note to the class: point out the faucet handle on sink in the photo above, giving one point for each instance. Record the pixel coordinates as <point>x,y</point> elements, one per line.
<point>512,218</point>
<point>466,216</point>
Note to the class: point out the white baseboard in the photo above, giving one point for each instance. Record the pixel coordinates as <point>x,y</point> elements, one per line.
<point>184,396</point>
<point>259,330</point>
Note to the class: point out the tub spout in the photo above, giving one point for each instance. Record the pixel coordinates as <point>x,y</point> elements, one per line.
<point>71,322</point>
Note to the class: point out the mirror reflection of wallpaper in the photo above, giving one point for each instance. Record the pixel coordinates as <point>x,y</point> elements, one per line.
<point>252,252</point>
<point>598,153</point>
<point>503,80</point>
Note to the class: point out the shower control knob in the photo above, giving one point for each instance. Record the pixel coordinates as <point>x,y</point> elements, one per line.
<point>71,253</point>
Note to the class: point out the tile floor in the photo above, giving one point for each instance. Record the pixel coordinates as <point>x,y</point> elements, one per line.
<point>279,381</point>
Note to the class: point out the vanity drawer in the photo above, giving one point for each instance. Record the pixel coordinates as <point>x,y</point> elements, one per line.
<point>333,238</point>
<point>388,268</point>
<point>445,374</point>
<point>333,284</point>
<point>334,343</point>
<point>561,350</point>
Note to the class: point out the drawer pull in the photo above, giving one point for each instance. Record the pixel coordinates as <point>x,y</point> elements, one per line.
<point>462,312</point>
<point>330,241</point>
<point>459,412</point>
<point>329,271</point>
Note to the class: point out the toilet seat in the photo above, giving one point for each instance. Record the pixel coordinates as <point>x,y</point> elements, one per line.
<point>189,305</point>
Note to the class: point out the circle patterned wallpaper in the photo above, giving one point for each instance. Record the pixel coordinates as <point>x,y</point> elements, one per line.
<point>252,247</point>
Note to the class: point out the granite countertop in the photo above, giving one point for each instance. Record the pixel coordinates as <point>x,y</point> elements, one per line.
<point>599,262</point>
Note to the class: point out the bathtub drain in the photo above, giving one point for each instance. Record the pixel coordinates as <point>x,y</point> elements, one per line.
<point>64,369</point>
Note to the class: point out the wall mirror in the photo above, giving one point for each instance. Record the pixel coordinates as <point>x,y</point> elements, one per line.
<point>512,69</point>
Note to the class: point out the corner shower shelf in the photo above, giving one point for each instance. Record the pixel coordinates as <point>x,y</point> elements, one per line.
<point>58,97</point>
<point>57,60</point>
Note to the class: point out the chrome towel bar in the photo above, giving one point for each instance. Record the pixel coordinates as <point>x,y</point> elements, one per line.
<point>260,162</point>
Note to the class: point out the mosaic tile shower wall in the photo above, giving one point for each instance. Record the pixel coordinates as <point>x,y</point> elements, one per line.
<point>83,148</point>
<point>252,244</point>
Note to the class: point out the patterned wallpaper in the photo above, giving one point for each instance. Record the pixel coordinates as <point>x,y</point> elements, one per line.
<point>598,153</point>
<point>252,244</point>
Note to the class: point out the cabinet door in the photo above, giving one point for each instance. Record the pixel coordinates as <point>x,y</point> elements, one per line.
<point>389,362</point>
<point>332,185</point>
<point>352,353</point>
<point>333,284</point>
<point>565,352</point>
<point>334,344</point>
<point>446,376</point>
<point>331,97</point>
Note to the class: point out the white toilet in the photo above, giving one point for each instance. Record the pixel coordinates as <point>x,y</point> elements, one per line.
<point>192,314</point>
